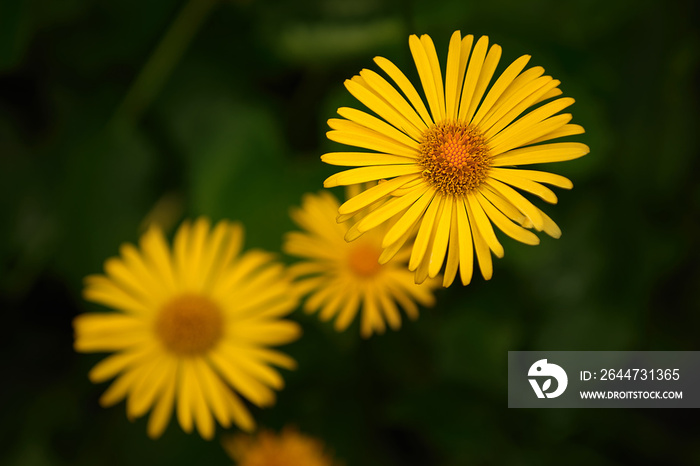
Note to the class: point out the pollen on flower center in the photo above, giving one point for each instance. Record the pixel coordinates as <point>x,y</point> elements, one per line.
<point>454,157</point>
<point>363,260</point>
<point>189,324</point>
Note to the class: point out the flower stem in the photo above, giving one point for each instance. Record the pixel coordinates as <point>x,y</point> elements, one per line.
<point>163,59</point>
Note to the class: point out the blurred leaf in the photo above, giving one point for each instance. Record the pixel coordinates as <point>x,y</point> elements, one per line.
<point>321,43</point>
<point>15,32</point>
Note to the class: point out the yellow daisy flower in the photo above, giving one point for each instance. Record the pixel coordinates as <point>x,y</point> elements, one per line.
<point>288,448</point>
<point>191,329</point>
<point>447,169</point>
<point>342,277</point>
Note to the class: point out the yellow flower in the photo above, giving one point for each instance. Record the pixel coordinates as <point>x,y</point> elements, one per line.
<point>447,169</point>
<point>191,329</point>
<point>343,277</point>
<point>288,448</point>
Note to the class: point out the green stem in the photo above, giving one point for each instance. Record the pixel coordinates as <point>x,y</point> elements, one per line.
<point>164,58</point>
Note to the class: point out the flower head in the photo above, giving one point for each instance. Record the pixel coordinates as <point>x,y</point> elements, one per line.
<point>288,448</point>
<point>191,329</point>
<point>343,277</point>
<point>447,165</point>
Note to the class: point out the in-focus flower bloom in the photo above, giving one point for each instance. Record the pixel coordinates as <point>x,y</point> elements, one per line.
<point>192,327</point>
<point>288,448</point>
<point>451,171</point>
<point>343,277</point>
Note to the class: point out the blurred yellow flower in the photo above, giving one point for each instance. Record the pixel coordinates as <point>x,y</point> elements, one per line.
<point>447,169</point>
<point>288,448</point>
<point>191,329</point>
<point>341,277</point>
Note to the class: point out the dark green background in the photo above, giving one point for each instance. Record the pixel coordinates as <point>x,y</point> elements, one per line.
<point>234,129</point>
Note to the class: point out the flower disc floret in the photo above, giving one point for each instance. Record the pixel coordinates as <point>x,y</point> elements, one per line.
<point>190,324</point>
<point>455,157</point>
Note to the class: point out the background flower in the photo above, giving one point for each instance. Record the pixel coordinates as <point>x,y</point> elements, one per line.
<point>192,328</point>
<point>342,278</point>
<point>286,448</point>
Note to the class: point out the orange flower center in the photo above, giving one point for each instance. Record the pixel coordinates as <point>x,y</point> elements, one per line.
<point>288,448</point>
<point>190,324</point>
<point>454,157</point>
<point>364,260</point>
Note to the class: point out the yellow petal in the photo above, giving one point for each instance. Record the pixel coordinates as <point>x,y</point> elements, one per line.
<point>517,104</point>
<point>185,395</point>
<point>517,199</point>
<point>364,174</point>
<point>556,92</point>
<point>407,88</point>
<point>102,290</point>
<point>541,177</point>
<point>414,126</point>
<point>503,205</point>
<point>407,220</point>
<point>473,71</point>
<point>246,385</point>
<point>394,248</point>
<point>360,136</point>
<point>509,97</point>
<point>452,76</point>
<point>348,312</point>
<point>202,415</point>
<point>555,152</point>
<point>367,314</point>
<point>160,416</point>
<point>183,271</point>
<point>534,132</point>
<point>361,159</point>
<point>466,250</point>
<point>499,87</point>
<point>434,63</point>
<point>374,194</point>
<point>271,356</point>
<point>483,254</point>
<point>452,250</point>
<point>121,387</point>
<point>499,143</point>
<point>525,184</point>
<point>442,235</point>
<point>200,234</point>
<point>476,213</point>
<point>230,249</point>
<point>391,208</point>
<point>505,225</point>
<point>147,389</point>
<point>118,362</point>
<point>155,248</point>
<point>213,391</point>
<point>425,73</point>
<point>487,70</point>
<point>566,130</point>
<point>380,106</point>
<point>421,244</point>
<point>389,310</point>
<point>375,124</point>
<point>276,332</point>
<point>239,412</point>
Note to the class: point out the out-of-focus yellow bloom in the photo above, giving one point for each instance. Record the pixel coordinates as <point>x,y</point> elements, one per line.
<point>192,327</point>
<point>288,448</point>
<point>342,278</point>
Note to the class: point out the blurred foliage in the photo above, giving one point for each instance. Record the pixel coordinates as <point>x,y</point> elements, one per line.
<point>233,126</point>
